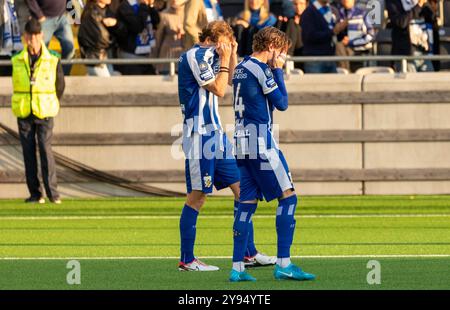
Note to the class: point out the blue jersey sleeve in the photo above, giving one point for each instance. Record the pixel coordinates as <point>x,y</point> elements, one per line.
<point>199,61</point>
<point>279,97</point>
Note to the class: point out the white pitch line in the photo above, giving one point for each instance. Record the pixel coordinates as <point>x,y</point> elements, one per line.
<point>229,257</point>
<point>176,217</point>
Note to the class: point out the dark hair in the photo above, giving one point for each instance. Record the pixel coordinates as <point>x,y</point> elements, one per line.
<point>216,29</point>
<point>88,8</point>
<point>33,26</point>
<point>270,36</point>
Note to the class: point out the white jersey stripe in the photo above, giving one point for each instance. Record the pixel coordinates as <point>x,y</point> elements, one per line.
<point>258,72</point>
<point>275,163</point>
<point>202,94</point>
<point>200,64</point>
<point>194,164</point>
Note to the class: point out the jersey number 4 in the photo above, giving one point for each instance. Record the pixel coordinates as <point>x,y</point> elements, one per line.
<point>239,107</point>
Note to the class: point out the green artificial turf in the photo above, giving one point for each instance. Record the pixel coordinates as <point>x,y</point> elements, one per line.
<point>108,236</point>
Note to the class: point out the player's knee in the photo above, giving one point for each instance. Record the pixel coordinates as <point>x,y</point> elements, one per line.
<point>235,188</point>
<point>196,201</point>
<point>287,193</point>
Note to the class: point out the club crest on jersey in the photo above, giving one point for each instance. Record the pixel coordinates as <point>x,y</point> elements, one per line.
<point>207,180</point>
<point>268,72</point>
<point>203,66</point>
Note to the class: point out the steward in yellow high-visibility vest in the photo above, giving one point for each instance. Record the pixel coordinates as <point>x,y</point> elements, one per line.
<point>38,84</point>
<point>35,88</point>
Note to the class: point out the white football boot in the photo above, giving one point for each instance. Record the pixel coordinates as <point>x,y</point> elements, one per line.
<point>196,265</point>
<point>260,260</point>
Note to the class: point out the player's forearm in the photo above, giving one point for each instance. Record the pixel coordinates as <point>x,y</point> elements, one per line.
<point>232,66</point>
<point>219,86</point>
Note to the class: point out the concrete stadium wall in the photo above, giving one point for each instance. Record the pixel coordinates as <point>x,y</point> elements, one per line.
<point>343,134</point>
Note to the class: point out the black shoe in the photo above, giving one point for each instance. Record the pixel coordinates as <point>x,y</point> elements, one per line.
<point>38,200</point>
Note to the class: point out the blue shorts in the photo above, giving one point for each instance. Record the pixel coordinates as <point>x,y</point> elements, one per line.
<point>266,176</point>
<point>209,161</point>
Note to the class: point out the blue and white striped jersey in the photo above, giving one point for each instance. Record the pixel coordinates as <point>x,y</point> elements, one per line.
<point>252,82</point>
<point>197,68</point>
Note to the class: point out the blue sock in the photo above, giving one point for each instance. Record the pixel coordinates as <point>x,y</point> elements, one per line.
<point>285,223</point>
<point>188,221</point>
<point>241,229</point>
<point>251,248</point>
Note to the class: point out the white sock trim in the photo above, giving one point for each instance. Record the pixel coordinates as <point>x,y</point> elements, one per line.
<point>283,262</point>
<point>238,266</point>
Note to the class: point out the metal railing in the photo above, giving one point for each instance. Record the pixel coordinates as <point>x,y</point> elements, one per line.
<point>172,61</point>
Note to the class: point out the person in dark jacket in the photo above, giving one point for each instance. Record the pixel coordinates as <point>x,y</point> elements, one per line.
<point>137,38</point>
<point>430,14</point>
<point>97,22</point>
<point>319,30</point>
<point>255,16</point>
<point>290,24</point>
<point>402,15</point>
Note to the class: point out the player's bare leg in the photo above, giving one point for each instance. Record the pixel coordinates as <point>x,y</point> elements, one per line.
<point>196,200</point>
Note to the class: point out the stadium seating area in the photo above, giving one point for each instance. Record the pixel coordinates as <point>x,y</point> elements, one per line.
<point>230,10</point>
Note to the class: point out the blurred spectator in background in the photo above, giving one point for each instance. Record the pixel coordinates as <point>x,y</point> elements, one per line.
<point>114,6</point>
<point>137,36</point>
<point>430,13</point>
<point>197,14</point>
<point>94,34</point>
<point>256,15</point>
<point>411,35</point>
<point>161,5</point>
<point>10,40</point>
<point>23,13</point>
<point>287,8</point>
<point>319,30</point>
<point>169,37</point>
<point>52,15</point>
<point>291,25</point>
<point>357,39</point>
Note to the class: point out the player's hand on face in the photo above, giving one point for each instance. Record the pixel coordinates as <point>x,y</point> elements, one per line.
<point>224,50</point>
<point>279,60</point>
<point>234,47</point>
